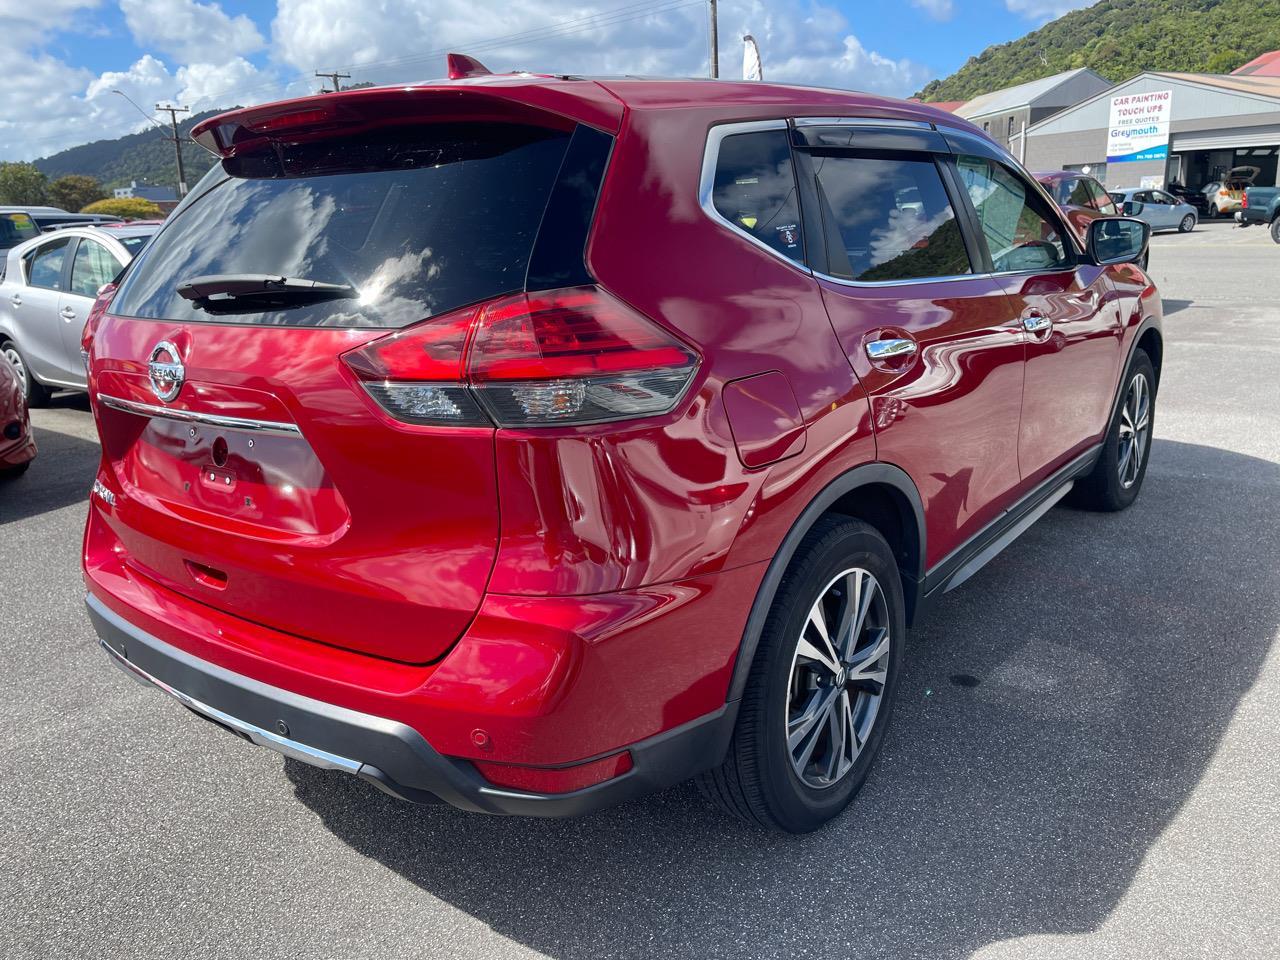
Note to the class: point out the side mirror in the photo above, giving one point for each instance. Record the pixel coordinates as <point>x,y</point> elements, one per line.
<point>1131,208</point>
<point>1118,240</point>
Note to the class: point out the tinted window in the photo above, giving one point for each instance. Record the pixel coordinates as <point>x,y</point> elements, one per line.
<point>92,266</point>
<point>888,219</point>
<point>419,221</point>
<point>755,189</point>
<point>44,264</point>
<point>1020,232</point>
<point>16,227</point>
<point>133,244</point>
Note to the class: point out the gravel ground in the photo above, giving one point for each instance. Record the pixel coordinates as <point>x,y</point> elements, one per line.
<point>1110,787</point>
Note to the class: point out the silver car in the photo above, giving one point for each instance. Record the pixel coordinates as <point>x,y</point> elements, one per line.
<point>1163,211</point>
<point>47,285</point>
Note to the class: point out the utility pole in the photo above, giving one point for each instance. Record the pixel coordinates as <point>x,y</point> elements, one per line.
<point>715,43</point>
<point>335,77</point>
<point>177,144</point>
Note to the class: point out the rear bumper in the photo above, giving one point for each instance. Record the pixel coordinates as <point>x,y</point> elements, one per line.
<point>389,754</point>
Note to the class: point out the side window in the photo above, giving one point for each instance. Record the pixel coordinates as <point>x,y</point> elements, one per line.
<point>1021,234</point>
<point>888,219</point>
<point>1143,196</point>
<point>1164,198</point>
<point>92,267</point>
<point>44,264</point>
<point>1101,199</point>
<point>755,189</point>
<point>1080,195</point>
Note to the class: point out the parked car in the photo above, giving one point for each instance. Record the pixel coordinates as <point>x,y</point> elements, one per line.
<point>1262,205</point>
<point>751,379</point>
<point>1224,197</point>
<point>16,226</point>
<point>1161,210</point>
<point>17,445</point>
<point>1186,194</point>
<point>47,285</point>
<point>51,218</point>
<point>1080,196</point>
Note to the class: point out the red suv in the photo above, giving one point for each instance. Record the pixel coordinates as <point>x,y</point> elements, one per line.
<point>531,443</point>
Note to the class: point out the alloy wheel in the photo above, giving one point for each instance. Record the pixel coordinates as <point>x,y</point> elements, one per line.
<point>11,354</point>
<point>1188,223</point>
<point>838,675</point>
<point>1135,429</point>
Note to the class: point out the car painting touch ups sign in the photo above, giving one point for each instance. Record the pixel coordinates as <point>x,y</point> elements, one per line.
<point>1138,128</point>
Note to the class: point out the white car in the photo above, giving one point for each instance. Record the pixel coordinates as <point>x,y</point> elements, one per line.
<point>47,285</point>
<point>1225,197</point>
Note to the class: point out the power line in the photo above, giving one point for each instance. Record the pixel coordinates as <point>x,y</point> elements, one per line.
<point>177,144</point>
<point>335,77</point>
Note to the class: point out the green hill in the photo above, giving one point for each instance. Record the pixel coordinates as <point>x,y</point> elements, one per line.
<point>1121,38</point>
<point>146,157</point>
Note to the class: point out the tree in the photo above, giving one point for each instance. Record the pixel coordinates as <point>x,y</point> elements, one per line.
<point>131,208</point>
<point>22,185</point>
<point>74,192</point>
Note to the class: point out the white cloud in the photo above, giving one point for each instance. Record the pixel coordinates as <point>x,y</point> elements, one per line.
<point>937,9</point>
<point>191,32</point>
<point>201,56</point>
<point>1043,11</point>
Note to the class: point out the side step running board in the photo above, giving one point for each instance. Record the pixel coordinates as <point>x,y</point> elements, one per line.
<point>991,550</point>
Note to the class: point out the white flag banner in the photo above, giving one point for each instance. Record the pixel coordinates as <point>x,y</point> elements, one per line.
<point>751,68</point>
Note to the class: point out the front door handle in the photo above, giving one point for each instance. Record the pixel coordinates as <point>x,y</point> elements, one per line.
<point>890,349</point>
<point>67,314</point>
<point>1036,323</point>
<point>16,300</point>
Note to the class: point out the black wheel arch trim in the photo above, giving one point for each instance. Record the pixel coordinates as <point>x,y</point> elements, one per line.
<point>1148,324</point>
<point>866,475</point>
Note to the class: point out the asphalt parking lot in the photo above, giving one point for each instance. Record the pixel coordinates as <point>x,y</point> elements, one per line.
<point>1085,759</point>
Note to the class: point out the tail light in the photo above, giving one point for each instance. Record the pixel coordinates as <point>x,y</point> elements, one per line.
<point>571,356</point>
<point>106,293</point>
<point>1244,201</point>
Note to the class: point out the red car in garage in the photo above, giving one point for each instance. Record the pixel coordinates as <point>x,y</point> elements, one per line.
<point>531,443</point>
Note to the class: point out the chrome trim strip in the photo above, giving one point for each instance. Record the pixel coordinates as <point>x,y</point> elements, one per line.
<point>263,738</point>
<point>707,182</point>
<point>207,419</point>
<point>912,282</point>
<point>863,122</point>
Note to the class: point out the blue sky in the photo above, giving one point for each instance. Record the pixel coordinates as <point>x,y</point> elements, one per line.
<point>64,58</point>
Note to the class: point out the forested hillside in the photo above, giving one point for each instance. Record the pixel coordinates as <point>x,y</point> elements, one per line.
<point>146,157</point>
<point>1120,38</point>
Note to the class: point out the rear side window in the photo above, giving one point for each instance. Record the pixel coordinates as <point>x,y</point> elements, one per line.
<point>1020,233</point>
<point>417,221</point>
<point>92,266</point>
<point>44,264</point>
<point>133,244</point>
<point>15,228</point>
<point>888,219</point>
<point>755,190</point>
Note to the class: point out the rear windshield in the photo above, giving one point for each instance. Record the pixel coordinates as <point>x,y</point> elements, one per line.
<point>417,220</point>
<point>16,227</point>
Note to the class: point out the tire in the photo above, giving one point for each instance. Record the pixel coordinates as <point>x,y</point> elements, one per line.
<point>13,473</point>
<point>1114,482</point>
<point>1188,223</point>
<point>1275,229</point>
<point>761,780</point>
<point>37,393</point>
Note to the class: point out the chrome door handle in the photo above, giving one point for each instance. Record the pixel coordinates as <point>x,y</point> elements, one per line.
<point>1036,323</point>
<point>890,349</point>
<point>67,313</point>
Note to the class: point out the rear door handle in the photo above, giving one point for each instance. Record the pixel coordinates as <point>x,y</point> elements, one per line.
<point>890,349</point>
<point>67,313</point>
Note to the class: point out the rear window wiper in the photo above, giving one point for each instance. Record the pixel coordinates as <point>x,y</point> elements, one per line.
<point>255,292</point>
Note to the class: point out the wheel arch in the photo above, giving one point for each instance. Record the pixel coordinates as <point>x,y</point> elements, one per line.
<point>879,494</point>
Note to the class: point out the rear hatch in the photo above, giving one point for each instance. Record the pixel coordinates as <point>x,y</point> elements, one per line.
<point>270,484</point>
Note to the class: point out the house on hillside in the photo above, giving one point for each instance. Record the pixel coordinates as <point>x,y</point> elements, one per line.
<point>146,191</point>
<point>1006,113</point>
